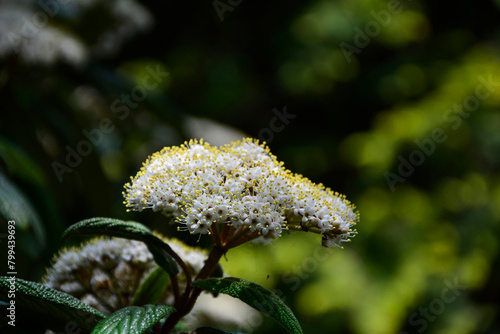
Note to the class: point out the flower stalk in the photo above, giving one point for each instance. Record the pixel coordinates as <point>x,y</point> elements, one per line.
<point>192,293</point>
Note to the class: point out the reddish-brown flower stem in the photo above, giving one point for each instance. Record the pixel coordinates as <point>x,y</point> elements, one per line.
<point>188,298</point>
<point>243,230</point>
<point>235,242</point>
<point>226,231</point>
<point>304,228</point>
<point>181,263</point>
<point>216,237</point>
<point>175,287</point>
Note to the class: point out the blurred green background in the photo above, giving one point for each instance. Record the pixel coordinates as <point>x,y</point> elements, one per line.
<point>394,104</point>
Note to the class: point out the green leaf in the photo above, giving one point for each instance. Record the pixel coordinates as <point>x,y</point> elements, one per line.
<point>31,204</point>
<point>21,164</point>
<point>14,204</point>
<point>112,227</point>
<point>127,230</point>
<point>133,319</point>
<point>163,259</point>
<point>254,295</point>
<point>152,289</point>
<point>55,307</point>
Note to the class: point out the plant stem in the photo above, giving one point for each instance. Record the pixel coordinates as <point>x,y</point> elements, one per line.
<point>241,231</point>
<point>191,293</point>
<point>240,237</point>
<point>304,228</point>
<point>181,263</point>
<point>216,234</point>
<point>173,278</point>
<point>226,230</point>
<point>175,287</point>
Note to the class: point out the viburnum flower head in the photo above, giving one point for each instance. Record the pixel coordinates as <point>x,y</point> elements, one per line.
<point>236,193</point>
<point>106,272</point>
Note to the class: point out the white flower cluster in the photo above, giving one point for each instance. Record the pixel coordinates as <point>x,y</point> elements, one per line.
<point>38,31</point>
<point>105,272</point>
<point>241,185</point>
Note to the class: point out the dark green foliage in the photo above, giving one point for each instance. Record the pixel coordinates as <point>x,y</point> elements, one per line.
<point>152,289</point>
<point>254,295</point>
<point>133,319</point>
<point>52,308</point>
